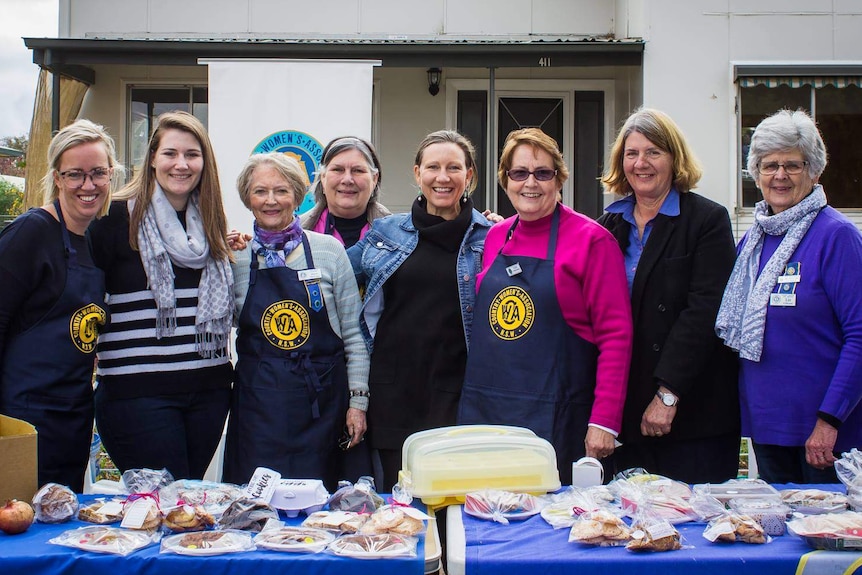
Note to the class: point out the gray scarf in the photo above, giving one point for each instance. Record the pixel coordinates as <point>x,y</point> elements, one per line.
<point>742,316</point>
<point>161,241</point>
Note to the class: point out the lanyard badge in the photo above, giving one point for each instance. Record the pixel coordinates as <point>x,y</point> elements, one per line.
<point>787,282</point>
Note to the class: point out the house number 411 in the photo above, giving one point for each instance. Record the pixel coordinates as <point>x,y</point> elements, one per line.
<point>544,62</point>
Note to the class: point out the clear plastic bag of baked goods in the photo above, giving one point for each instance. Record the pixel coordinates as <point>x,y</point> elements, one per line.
<point>730,527</point>
<point>652,532</point>
<point>814,501</point>
<point>208,542</point>
<point>185,518</point>
<point>337,521</point>
<point>294,539</point>
<point>247,515</point>
<point>105,539</point>
<point>102,511</point>
<point>360,497</point>
<point>770,512</point>
<point>378,546</point>
<point>707,507</point>
<point>602,528</point>
<point>664,497</point>
<point>212,496</point>
<point>145,480</point>
<point>562,509</point>
<point>849,467</point>
<point>501,506</point>
<point>395,519</point>
<point>55,503</point>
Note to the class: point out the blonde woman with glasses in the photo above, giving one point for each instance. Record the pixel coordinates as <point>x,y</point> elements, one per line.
<point>52,303</point>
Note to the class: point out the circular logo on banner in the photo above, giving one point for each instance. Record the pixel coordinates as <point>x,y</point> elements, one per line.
<point>285,324</point>
<point>512,313</point>
<point>300,146</point>
<point>84,327</point>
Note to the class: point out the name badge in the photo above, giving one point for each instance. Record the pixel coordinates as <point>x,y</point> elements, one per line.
<point>792,274</point>
<point>513,270</point>
<point>312,274</point>
<point>782,299</point>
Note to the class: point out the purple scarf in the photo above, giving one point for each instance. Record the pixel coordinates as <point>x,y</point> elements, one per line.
<point>274,246</point>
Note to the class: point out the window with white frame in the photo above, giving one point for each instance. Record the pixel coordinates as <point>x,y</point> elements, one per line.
<point>835,103</point>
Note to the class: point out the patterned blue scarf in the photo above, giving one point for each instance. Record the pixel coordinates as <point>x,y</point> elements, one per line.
<point>741,320</point>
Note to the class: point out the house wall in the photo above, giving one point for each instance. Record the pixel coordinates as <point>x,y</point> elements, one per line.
<point>381,18</point>
<point>690,47</point>
<point>687,69</point>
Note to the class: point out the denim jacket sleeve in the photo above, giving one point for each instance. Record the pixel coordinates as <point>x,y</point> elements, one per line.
<point>469,266</point>
<point>385,247</point>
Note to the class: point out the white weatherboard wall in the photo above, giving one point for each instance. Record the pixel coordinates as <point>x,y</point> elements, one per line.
<point>252,99</point>
<point>690,50</point>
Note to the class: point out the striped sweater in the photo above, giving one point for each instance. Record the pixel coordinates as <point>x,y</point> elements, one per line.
<point>131,361</point>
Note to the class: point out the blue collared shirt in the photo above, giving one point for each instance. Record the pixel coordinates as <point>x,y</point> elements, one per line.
<point>626,207</point>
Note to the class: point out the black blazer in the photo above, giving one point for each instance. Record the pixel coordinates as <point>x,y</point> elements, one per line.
<point>676,294</point>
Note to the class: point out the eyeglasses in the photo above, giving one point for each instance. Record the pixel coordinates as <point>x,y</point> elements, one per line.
<point>791,168</point>
<point>76,178</point>
<point>279,193</point>
<point>541,175</point>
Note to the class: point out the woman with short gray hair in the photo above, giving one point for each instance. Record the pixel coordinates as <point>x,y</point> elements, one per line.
<point>795,287</point>
<point>302,369</point>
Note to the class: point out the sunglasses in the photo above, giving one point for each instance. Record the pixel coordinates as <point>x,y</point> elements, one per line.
<point>541,175</point>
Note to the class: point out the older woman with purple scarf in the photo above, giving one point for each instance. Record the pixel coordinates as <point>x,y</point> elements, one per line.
<point>302,368</point>
<point>792,310</point>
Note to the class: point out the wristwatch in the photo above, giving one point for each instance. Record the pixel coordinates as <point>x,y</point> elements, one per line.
<point>668,399</point>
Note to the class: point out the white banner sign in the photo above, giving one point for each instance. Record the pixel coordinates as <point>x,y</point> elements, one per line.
<point>293,106</point>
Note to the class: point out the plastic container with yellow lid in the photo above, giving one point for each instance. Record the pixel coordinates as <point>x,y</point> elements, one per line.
<point>444,464</point>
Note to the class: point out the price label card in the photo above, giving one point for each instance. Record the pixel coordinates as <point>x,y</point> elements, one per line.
<point>136,513</point>
<point>262,484</point>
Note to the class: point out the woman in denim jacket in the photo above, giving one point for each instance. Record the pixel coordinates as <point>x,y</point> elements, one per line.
<point>418,271</point>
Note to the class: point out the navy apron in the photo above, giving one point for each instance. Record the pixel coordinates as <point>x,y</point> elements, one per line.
<point>290,394</point>
<point>48,372</point>
<point>526,366</point>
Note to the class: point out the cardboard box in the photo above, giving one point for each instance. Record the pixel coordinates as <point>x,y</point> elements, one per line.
<point>18,469</point>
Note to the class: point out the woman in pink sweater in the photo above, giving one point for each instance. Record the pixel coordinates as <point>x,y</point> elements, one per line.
<point>552,335</point>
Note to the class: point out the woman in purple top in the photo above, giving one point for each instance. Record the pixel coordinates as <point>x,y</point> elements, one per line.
<point>792,310</point>
<point>346,191</point>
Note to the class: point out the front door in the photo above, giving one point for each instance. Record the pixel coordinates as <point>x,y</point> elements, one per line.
<point>578,129</point>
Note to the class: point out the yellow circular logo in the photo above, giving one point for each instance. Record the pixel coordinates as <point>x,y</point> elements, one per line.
<point>84,327</point>
<point>285,325</point>
<point>512,313</point>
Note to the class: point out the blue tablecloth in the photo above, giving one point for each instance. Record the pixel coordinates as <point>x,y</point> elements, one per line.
<point>30,554</point>
<point>533,546</point>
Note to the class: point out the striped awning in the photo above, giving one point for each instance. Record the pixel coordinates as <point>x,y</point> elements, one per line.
<point>800,81</point>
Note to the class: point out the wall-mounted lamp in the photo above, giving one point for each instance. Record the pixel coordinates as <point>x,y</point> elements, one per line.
<point>434,81</point>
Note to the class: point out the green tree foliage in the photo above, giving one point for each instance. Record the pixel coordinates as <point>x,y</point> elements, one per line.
<point>11,199</point>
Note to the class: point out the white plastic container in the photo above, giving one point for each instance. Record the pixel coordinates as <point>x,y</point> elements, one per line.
<point>587,472</point>
<point>295,495</point>
<point>449,462</point>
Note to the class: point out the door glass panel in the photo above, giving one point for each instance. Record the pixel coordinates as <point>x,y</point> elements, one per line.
<point>473,123</point>
<point>516,113</point>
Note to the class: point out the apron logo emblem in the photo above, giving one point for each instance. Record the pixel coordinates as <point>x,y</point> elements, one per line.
<point>285,324</point>
<point>84,327</point>
<point>512,313</point>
